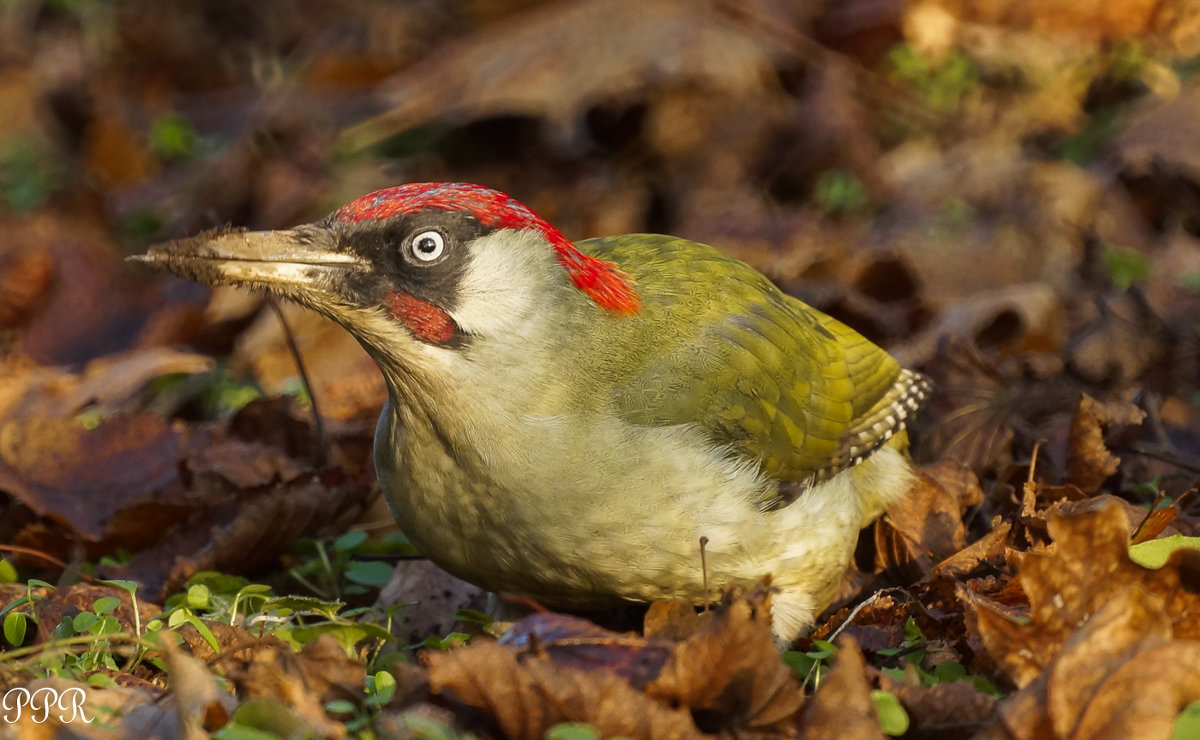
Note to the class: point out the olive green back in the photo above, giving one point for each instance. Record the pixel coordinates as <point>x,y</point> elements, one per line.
<point>719,346</point>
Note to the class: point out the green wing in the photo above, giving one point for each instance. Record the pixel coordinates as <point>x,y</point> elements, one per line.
<point>778,381</point>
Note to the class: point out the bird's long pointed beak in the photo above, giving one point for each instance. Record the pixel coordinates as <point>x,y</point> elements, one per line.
<point>276,260</point>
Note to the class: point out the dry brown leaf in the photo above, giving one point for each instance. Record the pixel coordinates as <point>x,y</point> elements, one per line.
<point>1164,142</point>
<point>1011,320</point>
<point>1121,342</point>
<point>1143,697</point>
<point>974,403</point>
<point>28,391</point>
<point>842,706</point>
<point>257,525</point>
<point>328,672</point>
<point>928,528</point>
<point>232,642</point>
<point>944,710</point>
<point>1086,567</point>
<point>90,478</point>
<point>1155,523</point>
<point>1120,675</point>
<point>117,155</point>
<point>989,548</point>
<point>304,681</point>
<point>1123,627</point>
<point>528,694</point>
<point>197,702</point>
<point>731,669</point>
<point>181,499</point>
<point>1089,461</point>
<point>1091,22</point>
<point>1133,513</point>
<point>346,382</point>
<point>95,704</point>
<point>573,642</point>
<point>432,598</point>
<point>25,279</point>
<point>671,620</point>
<point>558,59</point>
<point>90,310</point>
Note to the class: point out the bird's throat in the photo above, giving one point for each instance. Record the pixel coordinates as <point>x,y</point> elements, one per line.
<point>426,321</point>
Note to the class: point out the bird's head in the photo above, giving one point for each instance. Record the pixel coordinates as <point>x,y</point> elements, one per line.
<point>427,265</point>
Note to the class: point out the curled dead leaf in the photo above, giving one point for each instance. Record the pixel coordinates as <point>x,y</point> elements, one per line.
<point>671,620</point>
<point>842,706</point>
<point>1089,461</point>
<point>577,643</point>
<point>432,598</point>
<point>944,710</point>
<point>974,402</point>
<point>1127,624</point>
<point>91,478</point>
<point>731,669</point>
<point>303,681</point>
<point>929,527</point>
<point>1124,339</point>
<point>1086,567</point>
<point>1118,676</point>
<point>181,498</point>
<point>32,391</point>
<point>527,694</point>
<point>1143,697</point>
<point>25,278</point>
<point>599,49</point>
<point>991,547</point>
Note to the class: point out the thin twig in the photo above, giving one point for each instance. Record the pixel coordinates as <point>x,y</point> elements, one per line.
<point>321,455</point>
<point>1162,453</point>
<point>18,550</point>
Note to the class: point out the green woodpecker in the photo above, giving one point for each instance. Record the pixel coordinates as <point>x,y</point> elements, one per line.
<point>567,421</point>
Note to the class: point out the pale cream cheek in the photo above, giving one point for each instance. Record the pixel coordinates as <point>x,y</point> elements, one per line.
<point>501,292</point>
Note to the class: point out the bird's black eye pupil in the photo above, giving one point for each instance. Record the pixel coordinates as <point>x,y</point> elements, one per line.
<point>427,245</point>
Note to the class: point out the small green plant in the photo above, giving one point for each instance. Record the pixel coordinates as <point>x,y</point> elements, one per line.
<point>82,646</point>
<point>27,175</point>
<point>380,688</point>
<point>1126,267</point>
<point>944,84</point>
<point>812,665</point>
<point>1128,59</point>
<point>1187,724</point>
<point>893,719</point>
<point>839,192</point>
<point>298,620</point>
<point>573,731</point>
<point>912,651</point>
<point>93,644</point>
<point>214,395</point>
<point>16,622</point>
<point>173,138</point>
<point>1189,281</point>
<point>99,622</point>
<point>139,226</point>
<point>341,568</point>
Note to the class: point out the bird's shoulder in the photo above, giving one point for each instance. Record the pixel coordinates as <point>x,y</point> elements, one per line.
<point>719,346</point>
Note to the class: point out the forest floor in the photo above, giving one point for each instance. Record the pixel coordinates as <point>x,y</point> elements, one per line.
<point>1005,195</point>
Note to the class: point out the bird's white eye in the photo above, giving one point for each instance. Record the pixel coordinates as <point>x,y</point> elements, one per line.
<point>428,246</point>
